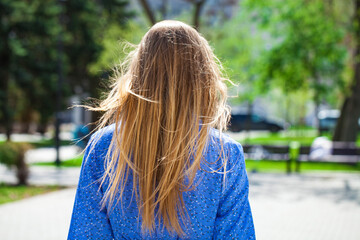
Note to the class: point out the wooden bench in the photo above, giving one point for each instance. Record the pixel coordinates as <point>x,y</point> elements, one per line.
<point>340,152</point>
<point>269,152</point>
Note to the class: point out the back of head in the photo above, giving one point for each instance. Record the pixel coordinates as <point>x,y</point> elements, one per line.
<point>163,108</point>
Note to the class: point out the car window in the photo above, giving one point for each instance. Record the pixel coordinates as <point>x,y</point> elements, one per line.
<point>256,118</point>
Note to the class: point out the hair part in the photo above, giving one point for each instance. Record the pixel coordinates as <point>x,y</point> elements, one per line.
<point>163,106</point>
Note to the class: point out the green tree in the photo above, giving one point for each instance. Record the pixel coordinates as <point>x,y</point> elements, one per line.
<point>347,126</point>
<point>29,33</point>
<point>13,155</point>
<point>9,48</point>
<point>116,44</point>
<point>85,26</point>
<point>39,63</point>
<point>305,47</point>
<point>238,45</point>
<point>26,30</point>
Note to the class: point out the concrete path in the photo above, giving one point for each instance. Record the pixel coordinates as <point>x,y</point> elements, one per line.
<point>44,175</point>
<point>24,137</point>
<point>43,217</point>
<point>322,206</point>
<point>49,154</point>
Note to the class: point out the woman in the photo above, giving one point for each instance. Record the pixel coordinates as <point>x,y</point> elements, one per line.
<point>157,168</point>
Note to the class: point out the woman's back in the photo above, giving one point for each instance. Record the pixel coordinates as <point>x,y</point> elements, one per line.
<point>160,169</point>
<point>217,208</point>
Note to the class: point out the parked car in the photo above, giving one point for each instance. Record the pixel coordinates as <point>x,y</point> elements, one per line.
<point>240,122</point>
<point>328,119</point>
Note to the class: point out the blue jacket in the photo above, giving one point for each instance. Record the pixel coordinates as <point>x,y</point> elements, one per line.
<point>217,208</point>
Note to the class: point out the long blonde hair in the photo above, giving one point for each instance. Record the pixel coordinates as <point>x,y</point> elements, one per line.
<point>163,107</point>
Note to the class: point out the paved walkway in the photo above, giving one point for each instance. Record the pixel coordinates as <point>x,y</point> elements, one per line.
<point>49,154</point>
<point>24,137</point>
<point>44,175</point>
<point>308,206</point>
<point>43,217</point>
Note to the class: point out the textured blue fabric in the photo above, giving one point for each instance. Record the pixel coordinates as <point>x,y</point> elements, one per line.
<point>217,208</point>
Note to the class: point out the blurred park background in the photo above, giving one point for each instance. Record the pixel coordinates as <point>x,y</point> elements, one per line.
<point>295,65</point>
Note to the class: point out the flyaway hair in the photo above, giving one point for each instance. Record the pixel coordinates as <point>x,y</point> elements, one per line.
<point>163,106</point>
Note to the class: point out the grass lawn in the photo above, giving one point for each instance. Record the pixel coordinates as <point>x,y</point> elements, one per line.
<point>284,139</point>
<point>10,193</point>
<point>75,162</point>
<point>272,166</point>
<point>260,166</point>
<point>276,139</point>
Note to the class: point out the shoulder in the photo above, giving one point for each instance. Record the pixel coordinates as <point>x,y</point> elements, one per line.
<point>230,146</point>
<point>99,144</point>
<point>222,147</point>
<point>101,139</point>
<point>96,151</point>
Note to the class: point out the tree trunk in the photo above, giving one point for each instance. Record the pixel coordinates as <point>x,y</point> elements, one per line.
<point>42,125</point>
<point>164,9</point>
<point>248,120</point>
<point>4,86</point>
<point>22,175</point>
<point>22,170</point>
<point>198,7</point>
<point>317,120</point>
<point>149,13</point>
<point>26,120</point>
<point>347,126</point>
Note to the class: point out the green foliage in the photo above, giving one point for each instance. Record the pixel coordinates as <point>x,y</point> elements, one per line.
<point>116,43</point>
<point>12,154</point>
<point>29,52</point>
<point>85,31</point>
<point>305,48</point>
<point>238,45</point>
<point>292,45</point>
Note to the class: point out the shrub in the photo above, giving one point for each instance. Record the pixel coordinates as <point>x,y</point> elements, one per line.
<point>13,155</point>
